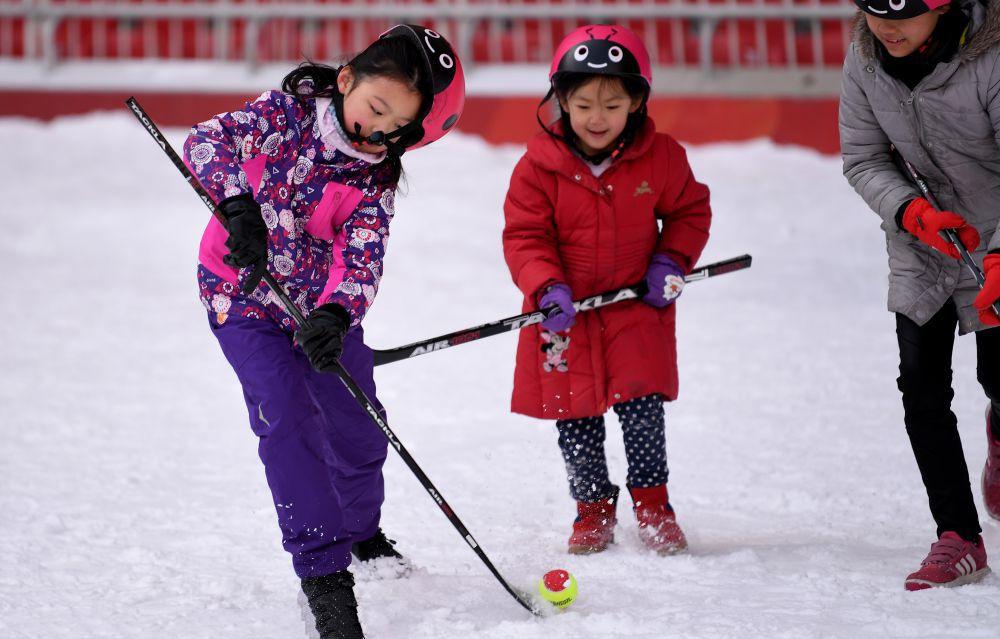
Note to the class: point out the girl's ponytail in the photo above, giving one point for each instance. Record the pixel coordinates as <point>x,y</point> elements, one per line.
<point>311,80</point>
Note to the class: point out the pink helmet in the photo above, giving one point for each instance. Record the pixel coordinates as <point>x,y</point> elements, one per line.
<point>899,10</point>
<point>447,80</point>
<point>603,49</point>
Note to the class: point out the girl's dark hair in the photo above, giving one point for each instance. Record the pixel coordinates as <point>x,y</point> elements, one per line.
<point>567,82</point>
<point>393,58</point>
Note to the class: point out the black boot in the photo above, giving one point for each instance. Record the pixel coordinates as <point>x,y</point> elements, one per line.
<point>377,559</point>
<point>331,599</point>
<point>375,547</point>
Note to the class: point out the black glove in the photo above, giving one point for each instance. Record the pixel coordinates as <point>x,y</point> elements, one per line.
<point>247,241</point>
<point>322,338</point>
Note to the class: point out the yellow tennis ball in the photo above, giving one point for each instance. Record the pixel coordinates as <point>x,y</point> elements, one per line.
<point>558,587</point>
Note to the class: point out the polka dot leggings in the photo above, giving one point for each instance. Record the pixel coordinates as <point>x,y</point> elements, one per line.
<point>582,444</point>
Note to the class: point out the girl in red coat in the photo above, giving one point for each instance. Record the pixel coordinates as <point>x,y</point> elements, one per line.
<point>601,201</point>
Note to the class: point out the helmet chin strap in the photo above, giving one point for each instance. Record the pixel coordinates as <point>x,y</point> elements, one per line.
<point>632,126</point>
<point>395,142</point>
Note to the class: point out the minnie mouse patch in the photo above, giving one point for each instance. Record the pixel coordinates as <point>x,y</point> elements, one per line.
<point>554,345</point>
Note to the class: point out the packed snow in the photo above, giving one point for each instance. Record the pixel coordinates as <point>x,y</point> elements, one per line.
<point>134,505</point>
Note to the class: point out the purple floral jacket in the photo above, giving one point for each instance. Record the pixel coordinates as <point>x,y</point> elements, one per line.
<point>327,207</point>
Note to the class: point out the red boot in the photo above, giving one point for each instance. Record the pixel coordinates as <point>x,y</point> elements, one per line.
<point>594,527</point>
<point>991,472</point>
<point>658,527</point>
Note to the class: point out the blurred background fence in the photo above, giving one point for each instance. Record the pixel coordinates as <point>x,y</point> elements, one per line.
<point>723,69</point>
<point>697,34</point>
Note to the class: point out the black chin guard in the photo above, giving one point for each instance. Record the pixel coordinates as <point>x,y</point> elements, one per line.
<point>395,142</point>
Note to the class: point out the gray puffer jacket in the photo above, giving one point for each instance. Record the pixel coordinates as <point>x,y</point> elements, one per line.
<point>948,127</point>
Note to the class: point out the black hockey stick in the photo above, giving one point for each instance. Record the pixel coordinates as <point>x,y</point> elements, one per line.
<point>949,234</point>
<point>522,597</point>
<point>518,322</point>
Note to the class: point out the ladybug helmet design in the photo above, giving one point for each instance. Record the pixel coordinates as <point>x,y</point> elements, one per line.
<point>446,88</point>
<point>599,49</point>
<point>602,49</point>
<point>899,9</point>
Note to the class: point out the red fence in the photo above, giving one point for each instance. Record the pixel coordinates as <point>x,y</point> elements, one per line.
<point>693,33</point>
<point>716,60</point>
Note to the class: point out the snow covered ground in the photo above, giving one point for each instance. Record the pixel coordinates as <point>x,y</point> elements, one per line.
<point>133,504</point>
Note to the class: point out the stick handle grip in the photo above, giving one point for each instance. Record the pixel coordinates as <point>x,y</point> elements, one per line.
<point>950,234</point>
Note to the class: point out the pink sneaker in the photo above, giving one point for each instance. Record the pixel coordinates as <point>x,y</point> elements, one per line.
<point>991,471</point>
<point>951,562</point>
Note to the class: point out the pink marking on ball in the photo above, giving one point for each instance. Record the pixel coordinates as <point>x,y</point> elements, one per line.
<point>556,580</point>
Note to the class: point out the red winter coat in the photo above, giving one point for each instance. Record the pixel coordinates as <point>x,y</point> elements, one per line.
<point>597,234</point>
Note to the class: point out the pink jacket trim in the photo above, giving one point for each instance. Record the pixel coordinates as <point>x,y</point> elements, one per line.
<point>337,268</point>
<point>213,242</point>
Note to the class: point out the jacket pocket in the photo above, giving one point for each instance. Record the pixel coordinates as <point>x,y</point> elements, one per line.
<point>907,258</point>
<point>336,205</point>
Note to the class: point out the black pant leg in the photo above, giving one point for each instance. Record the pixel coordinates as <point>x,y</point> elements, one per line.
<point>988,371</point>
<point>925,380</point>
<point>582,444</point>
<point>644,431</point>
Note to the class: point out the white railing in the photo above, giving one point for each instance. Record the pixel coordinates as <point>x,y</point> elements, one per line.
<point>698,35</point>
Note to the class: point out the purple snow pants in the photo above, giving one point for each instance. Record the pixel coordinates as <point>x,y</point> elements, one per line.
<point>322,454</point>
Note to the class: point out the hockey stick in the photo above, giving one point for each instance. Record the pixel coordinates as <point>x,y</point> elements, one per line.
<point>518,322</point>
<point>949,234</point>
<point>352,387</point>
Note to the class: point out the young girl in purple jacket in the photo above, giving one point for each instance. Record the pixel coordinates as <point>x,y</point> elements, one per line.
<point>306,179</point>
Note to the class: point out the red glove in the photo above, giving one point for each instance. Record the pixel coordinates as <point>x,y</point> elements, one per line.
<point>991,291</point>
<point>925,222</point>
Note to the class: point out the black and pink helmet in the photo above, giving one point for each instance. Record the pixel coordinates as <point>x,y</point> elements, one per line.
<point>447,81</point>
<point>899,9</point>
<point>605,50</point>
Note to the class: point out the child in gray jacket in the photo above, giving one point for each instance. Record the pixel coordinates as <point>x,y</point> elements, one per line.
<point>922,81</point>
